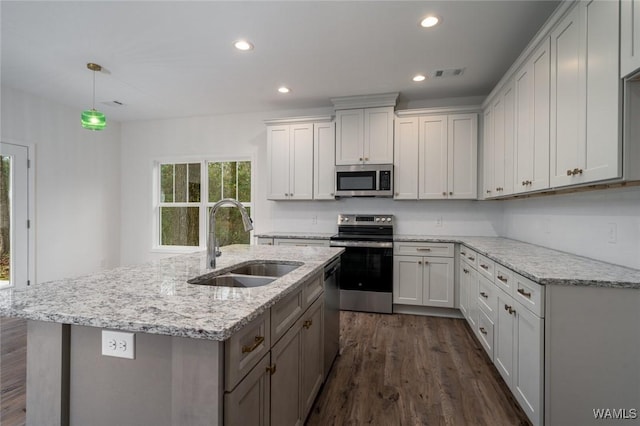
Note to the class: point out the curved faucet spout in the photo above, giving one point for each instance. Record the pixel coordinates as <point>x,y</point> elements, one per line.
<point>213,250</point>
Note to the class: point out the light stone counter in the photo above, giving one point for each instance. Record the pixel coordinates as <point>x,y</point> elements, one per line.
<point>543,265</point>
<point>297,235</point>
<point>156,298</point>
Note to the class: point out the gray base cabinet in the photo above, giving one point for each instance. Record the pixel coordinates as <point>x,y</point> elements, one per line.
<point>249,403</point>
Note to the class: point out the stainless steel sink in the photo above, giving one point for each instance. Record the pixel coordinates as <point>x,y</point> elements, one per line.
<point>253,274</point>
<point>265,269</point>
<point>232,280</point>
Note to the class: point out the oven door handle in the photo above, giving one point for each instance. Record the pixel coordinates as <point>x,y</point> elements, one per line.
<point>364,244</point>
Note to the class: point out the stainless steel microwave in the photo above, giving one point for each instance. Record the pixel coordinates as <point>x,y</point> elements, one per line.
<point>364,180</point>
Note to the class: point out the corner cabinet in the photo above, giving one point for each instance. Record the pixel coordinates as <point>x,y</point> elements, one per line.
<point>364,136</point>
<point>300,156</point>
<point>629,37</point>
<point>435,155</point>
<point>585,95</point>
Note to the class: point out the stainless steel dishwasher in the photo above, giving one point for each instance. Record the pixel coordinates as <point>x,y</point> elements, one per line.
<point>331,313</point>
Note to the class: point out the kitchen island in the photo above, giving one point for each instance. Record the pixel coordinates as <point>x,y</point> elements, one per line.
<point>196,346</point>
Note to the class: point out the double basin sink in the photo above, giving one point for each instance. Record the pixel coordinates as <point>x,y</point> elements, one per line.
<point>252,274</point>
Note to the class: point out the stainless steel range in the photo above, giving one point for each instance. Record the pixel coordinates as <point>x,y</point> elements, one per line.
<point>366,277</point>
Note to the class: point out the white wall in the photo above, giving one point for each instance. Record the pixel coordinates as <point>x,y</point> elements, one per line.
<point>77,185</point>
<point>581,223</point>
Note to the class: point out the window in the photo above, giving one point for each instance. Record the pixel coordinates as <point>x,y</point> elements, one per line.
<point>186,196</point>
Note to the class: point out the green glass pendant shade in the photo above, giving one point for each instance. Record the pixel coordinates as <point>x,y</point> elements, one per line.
<point>93,120</point>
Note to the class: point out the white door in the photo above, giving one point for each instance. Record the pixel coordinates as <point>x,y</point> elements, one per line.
<point>324,158</point>
<point>14,215</point>
<point>406,159</point>
<point>378,135</point>
<point>509,139</point>
<point>349,136</point>
<point>487,154</point>
<point>463,156</point>
<point>407,280</point>
<point>301,162</point>
<point>629,36</point>
<point>432,169</point>
<point>278,162</point>
<point>438,282</point>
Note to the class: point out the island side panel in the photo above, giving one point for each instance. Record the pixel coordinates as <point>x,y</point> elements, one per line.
<point>171,382</point>
<point>47,373</point>
<point>592,348</point>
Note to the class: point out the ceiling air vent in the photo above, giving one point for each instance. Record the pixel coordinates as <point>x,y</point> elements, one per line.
<point>448,72</point>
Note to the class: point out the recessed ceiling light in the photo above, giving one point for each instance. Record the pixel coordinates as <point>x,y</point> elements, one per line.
<point>243,45</point>
<point>284,89</point>
<point>429,21</point>
<point>419,77</point>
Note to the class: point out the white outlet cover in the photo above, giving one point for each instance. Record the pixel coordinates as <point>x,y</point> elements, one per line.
<point>124,347</point>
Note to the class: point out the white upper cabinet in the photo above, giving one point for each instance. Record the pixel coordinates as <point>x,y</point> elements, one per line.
<point>532,85</point>
<point>301,162</point>
<point>324,154</point>
<point>585,95</point>
<point>432,158</point>
<point>405,168</point>
<point>487,154</point>
<point>503,141</point>
<point>462,156</point>
<point>436,156</point>
<point>629,37</point>
<point>364,136</point>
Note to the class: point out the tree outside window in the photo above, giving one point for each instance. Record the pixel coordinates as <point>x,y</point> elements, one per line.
<point>183,211</point>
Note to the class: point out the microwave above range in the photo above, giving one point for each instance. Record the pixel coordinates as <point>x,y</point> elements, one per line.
<point>364,180</point>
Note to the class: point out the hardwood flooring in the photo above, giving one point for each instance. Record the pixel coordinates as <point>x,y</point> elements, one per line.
<point>412,370</point>
<point>393,370</point>
<point>13,371</point>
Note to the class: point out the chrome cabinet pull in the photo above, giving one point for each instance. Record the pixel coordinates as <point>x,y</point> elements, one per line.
<point>423,249</point>
<point>483,294</point>
<point>483,331</point>
<point>484,266</point>
<point>257,342</point>
<point>501,278</point>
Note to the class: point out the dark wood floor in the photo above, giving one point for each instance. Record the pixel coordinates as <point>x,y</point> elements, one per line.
<point>412,370</point>
<point>13,371</point>
<point>393,370</point>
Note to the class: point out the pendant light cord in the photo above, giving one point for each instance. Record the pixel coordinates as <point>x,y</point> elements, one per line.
<point>94,90</point>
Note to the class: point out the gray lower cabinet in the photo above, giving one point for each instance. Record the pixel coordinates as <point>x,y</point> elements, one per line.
<point>281,388</point>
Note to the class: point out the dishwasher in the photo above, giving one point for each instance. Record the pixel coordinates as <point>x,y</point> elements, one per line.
<point>331,314</point>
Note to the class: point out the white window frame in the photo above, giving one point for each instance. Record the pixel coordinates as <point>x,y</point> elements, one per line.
<point>203,205</point>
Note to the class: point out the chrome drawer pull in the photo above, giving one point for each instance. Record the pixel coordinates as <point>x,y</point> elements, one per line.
<point>524,293</point>
<point>484,266</point>
<point>483,294</point>
<point>501,278</point>
<point>422,249</point>
<point>483,331</point>
<point>466,271</point>
<point>471,258</point>
<point>257,342</point>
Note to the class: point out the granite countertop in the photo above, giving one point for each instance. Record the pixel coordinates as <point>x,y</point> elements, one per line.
<point>540,264</point>
<point>156,298</point>
<point>297,235</point>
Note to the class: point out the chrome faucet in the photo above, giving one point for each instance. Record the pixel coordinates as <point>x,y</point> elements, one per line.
<point>213,250</point>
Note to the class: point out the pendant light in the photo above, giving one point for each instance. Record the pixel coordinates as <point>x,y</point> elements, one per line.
<point>91,118</point>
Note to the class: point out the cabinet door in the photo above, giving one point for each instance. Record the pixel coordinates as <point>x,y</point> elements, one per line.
<point>278,162</point>
<point>541,82</point>
<point>286,380</point>
<point>505,337</point>
<point>524,121</point>
<point>438,282</point>
<point>312,354</point>
<point>324,158</point>
<point>463,286</point>
<point>567,92</point>
<point>406,159</point>
<point>407,280</point>
<point>498,146</point>
<point>629,36</point>
<point>432,166</point>
<point>349,136</point>
<point>378,135</point>
<point>528,350</point>
<point>509,99</point>
<point>472,307</point>
<point>600,155</point>
<point>462,156</point>
<point>248,403</point>
<point>301,162</point>
<point>488,154</point>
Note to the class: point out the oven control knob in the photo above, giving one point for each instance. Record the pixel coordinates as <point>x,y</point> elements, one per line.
<point>377,219</point>
<point>388,219</point>
<point>346,219</point>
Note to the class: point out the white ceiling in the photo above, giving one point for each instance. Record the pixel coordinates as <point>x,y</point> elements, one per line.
<point>176,58</point>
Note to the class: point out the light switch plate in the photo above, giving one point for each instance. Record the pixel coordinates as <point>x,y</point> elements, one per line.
<point>119,344</point>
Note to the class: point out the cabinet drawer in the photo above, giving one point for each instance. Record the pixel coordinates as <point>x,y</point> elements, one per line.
<point>469,256</point>
<point>265,241</point>
<point>486,266</point>
<point>423,249</point>
<point>285,313</point>
<point>485,332</point>
<point>529,294</point>
<point>487,297</point>
<point>311,290</point>
<point>504,279</point>
<point>245,348</point>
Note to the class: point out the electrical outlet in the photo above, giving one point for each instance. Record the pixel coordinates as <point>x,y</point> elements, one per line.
<point>612,233</point>
<point>118,344</point>
<point>314,220</point>
<point>439,222</point>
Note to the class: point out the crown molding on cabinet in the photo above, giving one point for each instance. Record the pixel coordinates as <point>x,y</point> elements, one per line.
<point>444,110</point>
<point>293,120</point>
<point>365,101</point>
